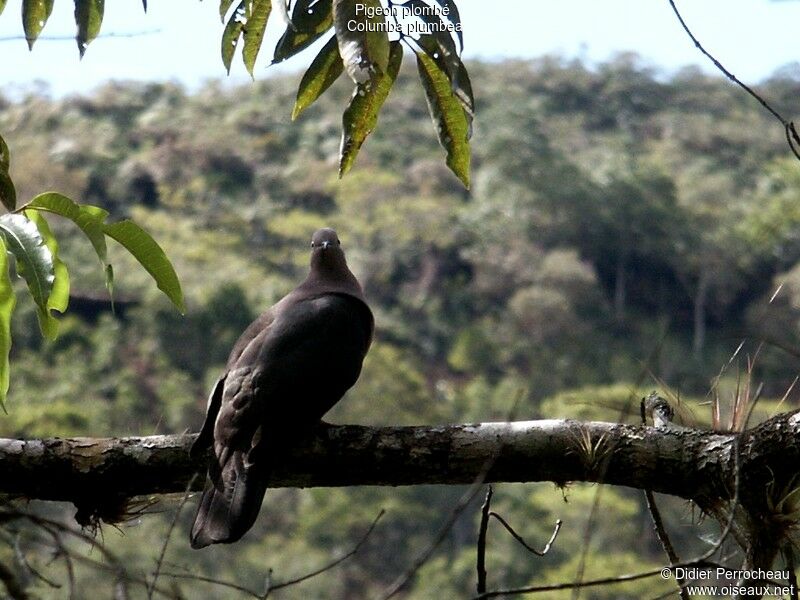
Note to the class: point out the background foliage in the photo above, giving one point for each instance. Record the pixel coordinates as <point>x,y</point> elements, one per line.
<point>624,232</point>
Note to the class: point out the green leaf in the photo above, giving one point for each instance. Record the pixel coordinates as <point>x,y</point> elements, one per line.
<point>7,301</point>
<point>33,257</point>
<point>462,88</point>
<point>310,19</point>
<point>361,115</point>
<point>453,16</point>
<point>5,154</point>
<point>224,7</point>
<point>248,21</point>
<point>59,295</point>
<point>232,33</point>
<point>88,18</point>
<point>439,45</point>
<point>365,53</point>
<point>90,219</point>
<point>34,16</point>
<point>2,6</point>
<point>150,255</point>
<point>450,119</point>
<point>324,70</point>
<point>312,15</point>
<point>254,31</point>
<point>8,195</point>
<point>442,50</point>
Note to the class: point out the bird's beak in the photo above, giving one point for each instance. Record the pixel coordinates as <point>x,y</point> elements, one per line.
<point>325,244</point>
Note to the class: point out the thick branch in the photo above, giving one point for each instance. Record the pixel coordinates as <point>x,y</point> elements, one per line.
<point>682,462</point>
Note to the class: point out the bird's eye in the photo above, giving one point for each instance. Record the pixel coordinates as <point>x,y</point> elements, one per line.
<point>338,243</point>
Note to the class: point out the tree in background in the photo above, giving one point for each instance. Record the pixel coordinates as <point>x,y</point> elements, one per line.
<point>507,292</point>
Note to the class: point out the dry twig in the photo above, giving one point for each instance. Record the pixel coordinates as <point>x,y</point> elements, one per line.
<point>792,137</point>
<point>270,587</point>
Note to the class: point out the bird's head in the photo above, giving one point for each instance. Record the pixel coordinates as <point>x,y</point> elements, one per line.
<point>329,271</point>
<point>326,251</point>
<point>324,238</point>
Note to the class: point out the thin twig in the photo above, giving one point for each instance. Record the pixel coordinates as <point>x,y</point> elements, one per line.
<point>480,565</point>
<point>520,539</point>
<point>792,574</point>
<point>697,562</point>
<point>485,515</point>
<point>53,527</point>
<point>459,508</point>
<point>424,556</point>
<point>269,587</point>
<point>792,138</point>
<point>20,556</point>
<point>63,552</point>
<point>587,539</point>
<point>13,586</point>
<point>334,563</point>
<point>219,582</point>
<point>160,561</point>
<point>71,38</point>
<point>623,412</point>
<point>576,584</point>
<point>123,577</point>
<point>661,532</point>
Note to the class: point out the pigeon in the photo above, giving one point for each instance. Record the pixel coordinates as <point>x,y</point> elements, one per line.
<point>288,368</point>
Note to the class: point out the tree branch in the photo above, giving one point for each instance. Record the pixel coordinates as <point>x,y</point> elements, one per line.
<point>692,464</point>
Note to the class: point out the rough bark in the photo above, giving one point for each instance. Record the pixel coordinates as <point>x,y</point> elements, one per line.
<point>688,463</point>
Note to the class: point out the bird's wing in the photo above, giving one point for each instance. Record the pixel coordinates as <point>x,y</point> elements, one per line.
<point>295,369</point>
<point>246,339</point>
<point>206,437</point>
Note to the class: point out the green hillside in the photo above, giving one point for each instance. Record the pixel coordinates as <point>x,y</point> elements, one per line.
<point>625,231</point>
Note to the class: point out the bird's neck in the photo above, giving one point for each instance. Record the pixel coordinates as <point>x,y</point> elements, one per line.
<point>329,272</point>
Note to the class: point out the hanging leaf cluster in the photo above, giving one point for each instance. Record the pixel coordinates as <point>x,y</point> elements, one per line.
<point>88,19</point>
<point>366,40</point>
<point>29,250</point>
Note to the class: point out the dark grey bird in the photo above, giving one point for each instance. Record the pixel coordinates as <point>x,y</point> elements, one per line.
<point>288,368</point>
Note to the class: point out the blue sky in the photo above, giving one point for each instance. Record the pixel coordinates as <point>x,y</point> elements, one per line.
<point>751,37</point>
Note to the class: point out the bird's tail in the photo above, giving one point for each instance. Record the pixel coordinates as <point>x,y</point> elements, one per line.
<point>231,501</point>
